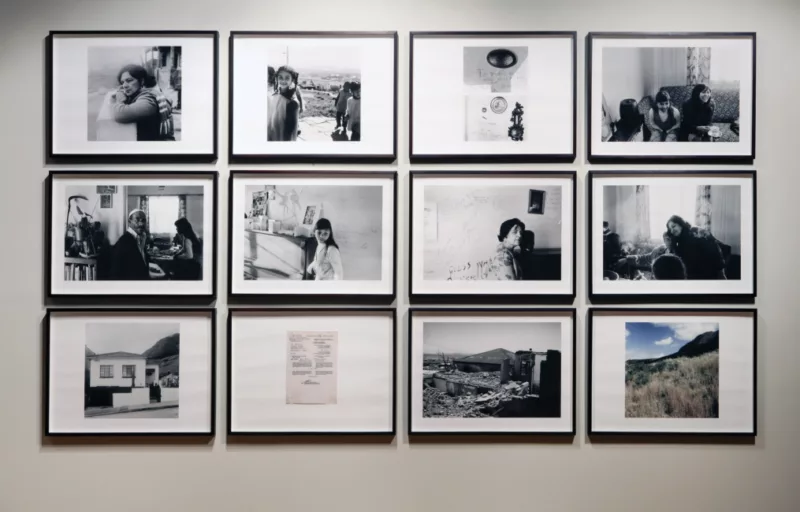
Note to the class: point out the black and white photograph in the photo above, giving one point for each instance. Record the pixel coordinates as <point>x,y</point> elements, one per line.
<point>492,233</point>
<point>151,234</point>
<point>315,94</point>
<point>132,370</point>
<point>675,234</point>
<point>672,371</point>
<point>143,95</point>
<point>677,90</point>
<point>124,371</point>
<point>310,88</point>
<point>315,371</point>
<point>134,93</point>
<point>327,234</point>
<point>493,93</point>
<point>504,369</point>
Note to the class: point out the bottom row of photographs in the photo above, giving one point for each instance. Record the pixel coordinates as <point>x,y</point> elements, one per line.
<point>334,371</point>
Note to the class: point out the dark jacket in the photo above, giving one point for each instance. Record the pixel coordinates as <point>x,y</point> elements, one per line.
<point>701,254</point>
<point>127,263</point>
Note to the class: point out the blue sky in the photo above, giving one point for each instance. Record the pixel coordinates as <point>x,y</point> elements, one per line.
<point>646,340</point>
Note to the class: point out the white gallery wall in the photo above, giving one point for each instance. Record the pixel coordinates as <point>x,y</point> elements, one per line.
<point>41,475</point>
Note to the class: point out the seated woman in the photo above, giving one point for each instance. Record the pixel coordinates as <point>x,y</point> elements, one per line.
<point>698,112</point>
<point>190,260</point>
<point>664,120</point>
<point>139,100</point>
<point>697,248</point>
<point>505,264</point>
<point>629,126</point>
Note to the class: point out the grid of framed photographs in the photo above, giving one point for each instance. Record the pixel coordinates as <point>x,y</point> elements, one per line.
<point>495,236</point>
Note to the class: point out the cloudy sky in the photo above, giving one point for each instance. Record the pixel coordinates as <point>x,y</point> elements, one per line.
<point>646,340</point>
<point>104,337</point>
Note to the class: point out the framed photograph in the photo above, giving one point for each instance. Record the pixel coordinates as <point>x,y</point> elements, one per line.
<point>311,371</point>
<point>141,372</point>
<point>312,236</point>
<point>672,372</point>
<point>695,92</point>
<point>491,371</point>
<point>677,236</point>
<point>118,96</point>
<point>492,236</point>
<point>492,97</point>
<point>150,234</point>
<point>298,96</point>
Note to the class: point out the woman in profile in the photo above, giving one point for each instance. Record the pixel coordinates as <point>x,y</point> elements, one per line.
<point>139,100</point>
<point>698,111</point>
<point>190,265</point>
<point>697,248</point>
<point>327,264</point>
<point>506,263</point>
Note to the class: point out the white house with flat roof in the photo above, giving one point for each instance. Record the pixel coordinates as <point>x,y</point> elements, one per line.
<point>121,369</point>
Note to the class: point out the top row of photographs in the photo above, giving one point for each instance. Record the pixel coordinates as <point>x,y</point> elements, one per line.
<point>332,97</point>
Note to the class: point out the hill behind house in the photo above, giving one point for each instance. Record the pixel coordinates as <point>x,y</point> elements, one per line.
<point>166,353</point>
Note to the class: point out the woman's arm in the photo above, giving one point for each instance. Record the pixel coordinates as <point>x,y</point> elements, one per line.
<point>188,251</point>
<point>677,115</point>
<point>139,109</point>
<point>650,121</point>
<point>335,257</point>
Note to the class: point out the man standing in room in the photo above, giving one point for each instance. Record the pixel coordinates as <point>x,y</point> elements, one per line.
<point>128,256</point>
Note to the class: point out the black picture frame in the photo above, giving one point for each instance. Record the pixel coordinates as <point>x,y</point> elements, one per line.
<point>319,298</point>
<point>432,158</point>
<point>666,436</point>
<point>122,299</point>
<point>46,343</point>
<point>495,298</point>
<point>116,158</point>
<point>678,298</point>
<point>560,436</point>
<point>380,436</point>
<point>665,159</point>
<point>352,158</point>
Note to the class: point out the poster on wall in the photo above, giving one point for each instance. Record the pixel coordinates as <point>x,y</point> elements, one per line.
<point>491,371</point>
<point>496,236</point>
<point>313,96</point>
<point>122,96</point>
<point>312,235</point>
<point>686,236</point>
<point>671,97</point>
<point>129,372</point>
<point>492,96</point>
<point>672,372</point>
<point>311,371</point>
<point>149,234</point>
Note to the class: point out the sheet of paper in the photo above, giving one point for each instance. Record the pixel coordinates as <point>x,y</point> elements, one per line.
<point>311,367</point>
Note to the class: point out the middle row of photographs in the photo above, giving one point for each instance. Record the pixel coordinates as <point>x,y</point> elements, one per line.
<point>489,236</point>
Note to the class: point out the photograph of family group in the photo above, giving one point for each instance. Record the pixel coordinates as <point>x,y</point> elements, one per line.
<point>672,234</point>
<point>678,90</point>
<point>140,235</point>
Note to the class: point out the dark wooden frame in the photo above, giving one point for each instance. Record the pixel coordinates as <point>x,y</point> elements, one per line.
<point>114,158</point>
<point>489,311</point>
<point>496,298</point>
<point>146,298</point>
<point>493,157</point>
<point>665,159</point>
<point>668,436</point>
<point>680,298</point>
<point>311,298</point>
<point>235,158</point>
<point>212,315</point>
<point>381,435</point>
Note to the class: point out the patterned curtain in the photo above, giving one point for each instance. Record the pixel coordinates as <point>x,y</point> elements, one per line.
<point>642,212</point>
<point>181,206</point>
<point>698,65</point>
<point>702,211</point>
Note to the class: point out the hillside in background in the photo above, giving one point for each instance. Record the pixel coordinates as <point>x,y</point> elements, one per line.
<point>166,353</point>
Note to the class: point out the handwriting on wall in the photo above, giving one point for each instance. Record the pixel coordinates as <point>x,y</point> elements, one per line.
<point>478,271</point>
